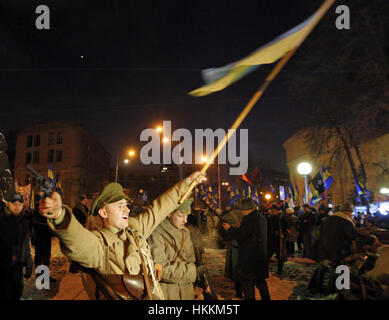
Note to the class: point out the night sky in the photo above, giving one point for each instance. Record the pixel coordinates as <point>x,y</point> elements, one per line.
<point>119,67</point>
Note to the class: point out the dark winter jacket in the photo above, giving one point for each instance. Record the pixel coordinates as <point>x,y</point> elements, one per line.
<point>252,247</point>
<point>308,222</point>
<point>335,239</point>
<point>14,240</point>
<point>275,223</point>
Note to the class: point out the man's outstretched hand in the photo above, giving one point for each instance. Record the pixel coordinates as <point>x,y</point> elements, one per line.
<point>198,176</point>
<point>51,207</point>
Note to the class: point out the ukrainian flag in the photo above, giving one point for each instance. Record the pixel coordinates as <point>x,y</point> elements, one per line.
<point>255,196</point>
<point>234,194</point>
<point>327,178</point>
<point>51,176</point>
<point>309,192</point>
<point>217,79</point>
<point>316,198</point>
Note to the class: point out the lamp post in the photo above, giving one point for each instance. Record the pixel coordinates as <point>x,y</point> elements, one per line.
<point>304,168</point>
<point>131,153</point>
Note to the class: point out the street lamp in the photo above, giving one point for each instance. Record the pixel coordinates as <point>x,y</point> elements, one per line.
<point>384,191</point>
<point>304,168</point>
<point>267,196</point>
<point>131,153</point>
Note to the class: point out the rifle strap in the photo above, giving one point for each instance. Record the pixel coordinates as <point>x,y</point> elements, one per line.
<point>144,270</point>
<point>180,249</point>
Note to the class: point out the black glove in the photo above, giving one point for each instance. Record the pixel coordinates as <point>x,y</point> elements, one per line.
<point>200,271</point>
<point>28,273</point>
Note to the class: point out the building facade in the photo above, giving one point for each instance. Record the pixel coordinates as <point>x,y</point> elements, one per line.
<point>374,153</point>
<point>81,164</point>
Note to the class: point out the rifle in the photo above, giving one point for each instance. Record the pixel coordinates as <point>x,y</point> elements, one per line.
<point>45,186</point>
<point>205,281</point>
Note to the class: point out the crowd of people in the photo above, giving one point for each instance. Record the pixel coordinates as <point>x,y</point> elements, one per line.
<point>155,254</point>
<point>329,237</point>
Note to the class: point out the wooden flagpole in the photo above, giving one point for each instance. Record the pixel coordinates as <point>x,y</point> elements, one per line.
<point>318,16</point>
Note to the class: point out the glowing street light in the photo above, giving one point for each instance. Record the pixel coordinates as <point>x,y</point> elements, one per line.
<point>385,191</point>
<point>304,168</point>
<point>267,196</point>
<point>131,153</point>
<point>165,140</point>
<point>126,161</point>
<point>159,129</point>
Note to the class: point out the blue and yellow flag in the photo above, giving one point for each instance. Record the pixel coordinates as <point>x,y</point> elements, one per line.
<point>316,198</point>
<point>51,176</point>
<point>327,178</point>
<point>206,196</point>
<point>254,195</point>
<point>308,191</point>
<point>217,79</point>
<point>234,194</point>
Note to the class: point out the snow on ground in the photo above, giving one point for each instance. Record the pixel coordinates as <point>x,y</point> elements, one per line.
<point>291,286</point>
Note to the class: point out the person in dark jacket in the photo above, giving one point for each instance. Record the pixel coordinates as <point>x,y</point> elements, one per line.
<point>253,263</point>
<point>81,210</point>
<point>41,238</point>
<point>14,248</point>
<point>334,244</point>
<point>307,229</point>
<point>277,234</point>
<point>234,218</point>
<point>293,232</point>
<point>336,235</point>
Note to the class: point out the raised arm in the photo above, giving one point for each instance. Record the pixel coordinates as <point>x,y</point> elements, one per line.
<point>77,243</point>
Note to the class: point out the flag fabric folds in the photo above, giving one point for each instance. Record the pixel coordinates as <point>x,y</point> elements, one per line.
<point>234,194</point>
<point>297,194</point>
<point>308,191</point>
<point>327,178</point>
<point>56,185</point>
<point>318,183</point>
<point>217,79</point>
<point>290,191</point>
<point>245,178</point>
<point>51,176</point>
<point>316,198</point>
<point>361,191</point>
<point>205,195</point>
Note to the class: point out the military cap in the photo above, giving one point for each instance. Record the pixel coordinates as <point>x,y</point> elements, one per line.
<point>185,207</point>
<point>112,192</point>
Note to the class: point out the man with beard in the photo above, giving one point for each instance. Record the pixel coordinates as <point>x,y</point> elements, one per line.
<point>253,263</point>
<point>14,248</point>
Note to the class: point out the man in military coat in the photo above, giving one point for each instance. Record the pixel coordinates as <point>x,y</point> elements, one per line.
<point>119,247</point>
<point>172,247</point>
